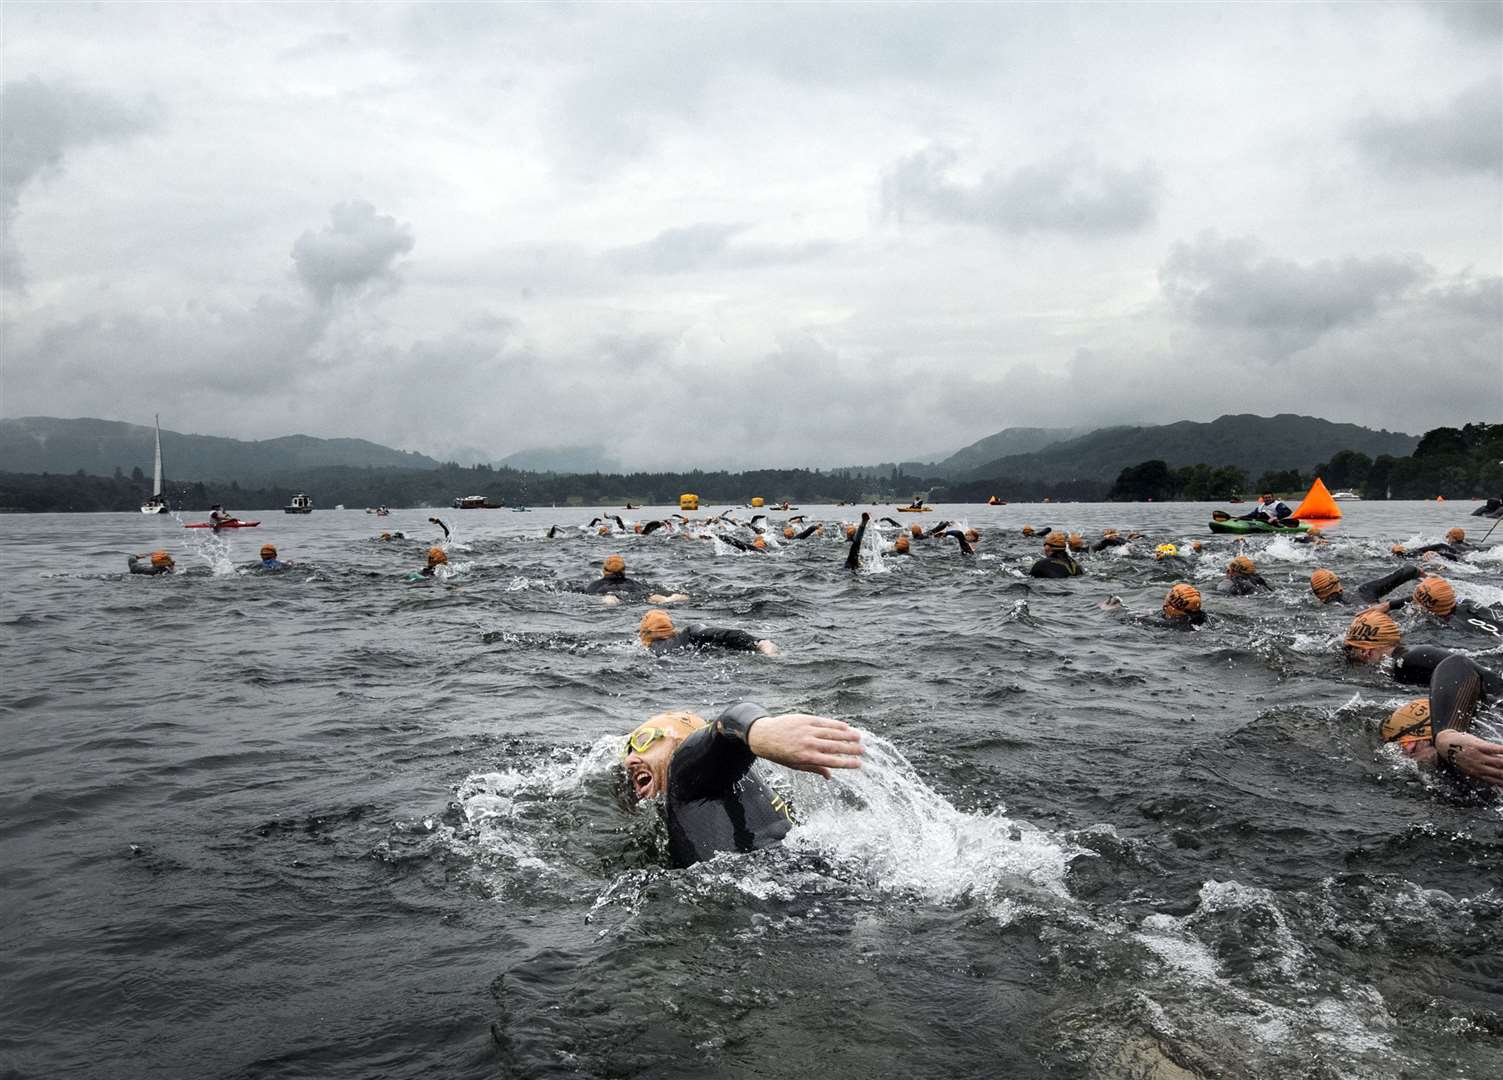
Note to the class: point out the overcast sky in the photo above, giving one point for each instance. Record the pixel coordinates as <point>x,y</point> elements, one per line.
<point>749,234</point>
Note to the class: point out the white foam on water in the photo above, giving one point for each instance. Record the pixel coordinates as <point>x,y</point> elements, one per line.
<point>1284,549</point>
<point>901,836</point>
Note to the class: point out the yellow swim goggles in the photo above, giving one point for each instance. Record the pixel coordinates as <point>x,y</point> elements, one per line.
<point>642,738</point>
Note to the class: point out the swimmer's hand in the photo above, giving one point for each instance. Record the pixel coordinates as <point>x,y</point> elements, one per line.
<point>1478,758</point>
<point>658,599</point>
<point>807,743</point>
<point>767,648</point>
<point>611,599</point>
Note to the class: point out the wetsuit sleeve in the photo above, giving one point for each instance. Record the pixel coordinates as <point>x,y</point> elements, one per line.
<point>552,531</point>
<point>736,543</point>
<point>707,764</point>
<point>894,524</point>
<point>1415,666</point>
<point>1455,692</point>
<point>1372,590</point>
<point>1259,579</point>
<point>941,527</point>
<point>724,637</point>
<point>853,557</point>
<point>651,527</point>
<point>965,545</point>
<point>810,531</point>
<point>596,587</point>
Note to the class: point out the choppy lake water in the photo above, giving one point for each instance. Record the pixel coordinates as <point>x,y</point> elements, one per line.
<point>330,823</point>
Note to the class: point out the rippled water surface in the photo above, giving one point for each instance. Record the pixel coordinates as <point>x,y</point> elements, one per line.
<point>332,823</point>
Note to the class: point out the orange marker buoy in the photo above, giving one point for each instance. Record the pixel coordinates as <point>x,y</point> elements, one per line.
<point>1318,504</point>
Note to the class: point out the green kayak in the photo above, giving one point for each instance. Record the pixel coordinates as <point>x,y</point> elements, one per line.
<point>1244,527</point>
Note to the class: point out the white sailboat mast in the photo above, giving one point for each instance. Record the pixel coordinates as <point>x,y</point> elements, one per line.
<point>156,465</point>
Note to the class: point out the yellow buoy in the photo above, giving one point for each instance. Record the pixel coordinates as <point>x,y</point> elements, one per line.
<point>757,500</point>
<point>688,502</point>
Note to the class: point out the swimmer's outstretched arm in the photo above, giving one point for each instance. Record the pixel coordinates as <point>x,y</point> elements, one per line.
<point>652,527</point>
<point>890,521</point>
<point>1372,590</point>
<point>853,558</point>
<point>965,545</point>
<point>552,531</point>
<point>619,523</point>
<point>810,531</point>
<point>941,527</point>
<point>441,525</point>
<point>807,743</point>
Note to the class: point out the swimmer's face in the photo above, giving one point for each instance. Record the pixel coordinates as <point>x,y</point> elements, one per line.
<point>647,770</point>
<point>1420,750</point>
<point>1359,655</point>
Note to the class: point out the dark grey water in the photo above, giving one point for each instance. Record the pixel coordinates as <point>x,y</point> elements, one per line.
<point>333,824</point>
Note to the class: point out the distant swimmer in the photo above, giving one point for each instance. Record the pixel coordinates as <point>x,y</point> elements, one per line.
<point>158,562</point>
<point>614,586</point>
<point>712,802</point>
<point>269,560</point>
<point>1109,539</point>
<point>966,540</point>
<point>659,636</point>
<point>1328,589</point>
<point>1242,578</point>
<point>440,523</point>
<point>1056,562</point>
<point>812,530</point>
<point>1373,638</point>
<point>1076,541</point>
<point>386,537</point>
<point>436,557</point>
<point>1491,508</point>
<point>900,546</point>
<point>1181,606</point>
<point>1437,730</point>
<point>1444,550</point>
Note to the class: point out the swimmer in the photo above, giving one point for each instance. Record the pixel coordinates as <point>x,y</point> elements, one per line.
<point>269,560</point>
<point>386,537</point>
<point>1242,578</point>
<point>711,800</point>
<point>900,546</point>
<point>1182,607</point>
<point>1109,538</point>
<point>1491,508</point>
<point>1444,550</point>
<point>812,530</point>
<point>965,540</point>
<point>1328,590</point>
<point>158,562</point>
<point>856,535</point>
<point>1373,637</point>
<point>439,522</point>
<point>659,636</point>
<point>1056,562</point>
<point>613,586</point>
<point>1436,597</point>
<point>436,557</point>
<point>1167,557</point>
<point>1076,541</point>
<point>1437,730</point>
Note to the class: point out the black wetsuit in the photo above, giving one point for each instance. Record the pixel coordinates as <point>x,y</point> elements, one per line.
<point>1492,508</point>
<point>1457,688</point>
<point>1444,550</point>
<point>141,564</point>
<point>965,545</point>
<point>1414,665</point>
<point>619,585</point>
<point>1242,584</point>
<point>1058,565</point>
<point>1106,542</point>
<point>696,635</point>
<point>1370,592</point>
<point>714,802</point>
<point>853,557</point>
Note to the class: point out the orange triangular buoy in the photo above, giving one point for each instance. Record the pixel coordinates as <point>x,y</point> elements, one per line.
<point>1318,504</point>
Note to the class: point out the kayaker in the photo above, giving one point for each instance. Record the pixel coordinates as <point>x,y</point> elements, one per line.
<point>613,586</point>
<point>711,800</point>
<point>1242,578</point>
<point>158,562</point>
<point>1437,730</point>
<point>1328,589</point>
<point>659,636</point>
<point>1056,562</point>
<point>1272,511</point>
<point>218,515</point>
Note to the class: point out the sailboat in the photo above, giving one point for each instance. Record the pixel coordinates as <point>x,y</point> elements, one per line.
<point>156,504</point>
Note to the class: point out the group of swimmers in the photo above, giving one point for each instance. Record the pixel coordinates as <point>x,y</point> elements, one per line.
<point>714,802</point>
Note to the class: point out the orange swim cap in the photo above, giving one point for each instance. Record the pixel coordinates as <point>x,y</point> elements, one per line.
<point>1195,545</point>
<point>1397,549</point>
<point>268,551</point>
<point>850,532</point>
<point>1455,536</point>
<point>1436,596</point>
<point>1077,542</point>
<point>680,725</point>
<point>161,558</point>
<point>788,533</point>
<point>917,530</point>
<point>604,530</point>
<point>385,536</point>
<point>436,555</point>
<point>655,626</point>
<point>637,528</point>
<point>1372,630</point>
<point>614,564</point>
<point>1055,541</point>
<point>1325,585</point>
<point>759,543</point>
<point>1181,601</point>
<point>1241,566</point>
<point>1409,723</point>
<point>1027,530</point>
<point>901,544</point>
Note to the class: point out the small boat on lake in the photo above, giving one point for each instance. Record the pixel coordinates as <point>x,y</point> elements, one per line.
<point>157,504</point>
<point>301,504</point>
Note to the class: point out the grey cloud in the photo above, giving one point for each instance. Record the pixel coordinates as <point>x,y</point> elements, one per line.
<point>357,247</point>
<point>39,124</point>
<point>1069,193</point>
<point>1473,20</point>
<point>1463,136</point>
<point>1229,285</point>
<point>706,246</point>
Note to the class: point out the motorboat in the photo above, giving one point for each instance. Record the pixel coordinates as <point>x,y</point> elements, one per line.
<point>301,504</point>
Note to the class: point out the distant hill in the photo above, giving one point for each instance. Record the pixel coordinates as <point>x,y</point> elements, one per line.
<point>36,444</point>
<point>561,459</point>
<point>1255,444</point>
<point>1005,443</point>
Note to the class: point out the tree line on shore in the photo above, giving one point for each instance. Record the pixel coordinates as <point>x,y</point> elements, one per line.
<point>1454,462</point>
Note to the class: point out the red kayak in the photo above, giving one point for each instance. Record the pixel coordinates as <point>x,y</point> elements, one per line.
<point>233,523</point>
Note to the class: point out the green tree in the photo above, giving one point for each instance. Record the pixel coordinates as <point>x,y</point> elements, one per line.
<point>1150,481</point>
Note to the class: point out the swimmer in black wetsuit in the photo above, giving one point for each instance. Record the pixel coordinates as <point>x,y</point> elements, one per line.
<point>439,522</point>
<point>1181,607</point>
<point>613,586</point>
<point>1492,508</point>
<point>1437,730</point>
<point>853,557</point>
<point>1242,578</point>
<point>659,636</point>
<point>1373,637</point>
<point>153,565</point>
<point>1056,562</point>
<point>1327,586</point>
<point>1437,598</point>
<point>1109,538</point>
<point>712,801</point>
<point>966,540</point>
<point>1445,551</point>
